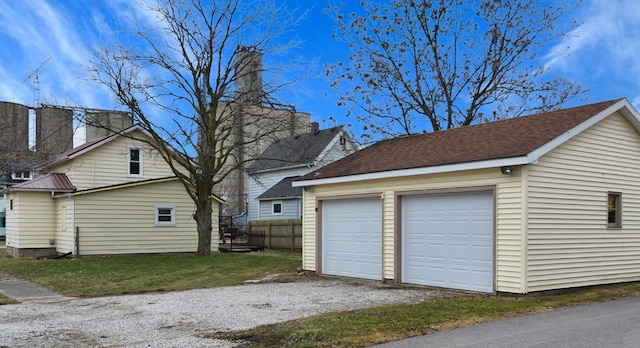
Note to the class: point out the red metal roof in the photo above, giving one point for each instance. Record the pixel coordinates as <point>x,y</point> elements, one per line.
<point>49,182</point>
<point>495,140</point>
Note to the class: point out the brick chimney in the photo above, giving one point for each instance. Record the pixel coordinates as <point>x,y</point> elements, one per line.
<point>315,127</point>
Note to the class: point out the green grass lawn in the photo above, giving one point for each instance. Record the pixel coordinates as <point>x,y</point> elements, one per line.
<point>100,276</point>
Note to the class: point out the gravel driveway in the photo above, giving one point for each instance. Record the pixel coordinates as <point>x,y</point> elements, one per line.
<point>176,319</point>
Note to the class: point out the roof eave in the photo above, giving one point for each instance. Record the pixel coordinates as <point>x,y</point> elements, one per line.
<point>309,165</point>
<point>446,168</point>
<point>275,198</point>
<point>38,190</point>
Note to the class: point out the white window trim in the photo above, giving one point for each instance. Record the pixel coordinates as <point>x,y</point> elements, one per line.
<point>140,161</point>
<point>273,205</point>
<point>173,215</point>
<point>14,176</point>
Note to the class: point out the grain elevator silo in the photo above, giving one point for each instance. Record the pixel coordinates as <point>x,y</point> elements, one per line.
<point>14,127</point>
<point>54,130</point>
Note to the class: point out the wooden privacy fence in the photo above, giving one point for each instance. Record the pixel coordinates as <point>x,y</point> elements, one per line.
<point>280,234</point>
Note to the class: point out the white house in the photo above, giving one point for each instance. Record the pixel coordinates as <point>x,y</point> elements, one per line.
<point>270,194</point>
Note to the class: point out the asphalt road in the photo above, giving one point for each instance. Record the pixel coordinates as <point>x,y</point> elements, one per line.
<point>606,324</point>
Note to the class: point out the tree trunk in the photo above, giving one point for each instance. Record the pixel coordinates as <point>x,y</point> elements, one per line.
<point>204,225</point>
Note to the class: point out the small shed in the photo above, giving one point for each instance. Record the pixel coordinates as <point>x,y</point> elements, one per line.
<point>534,203</point>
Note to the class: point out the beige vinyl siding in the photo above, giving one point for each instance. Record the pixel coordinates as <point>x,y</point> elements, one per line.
<point>122,221</point>
<point>510,232</point>
<point>569,243</point>
<point>32,215</point>
<point>309,221</point>
<point>11,222</point>
<point>507,211</point>
<point>388,231</point>
<point>107,165</point>
<point>64,224</point>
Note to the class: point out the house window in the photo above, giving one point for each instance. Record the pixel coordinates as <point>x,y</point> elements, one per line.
<point>11,204</point>
<point>134,160</point>
<point>165,215</point>
<point>276,208</point>
<point>25,175</point>
<point>614,210</point>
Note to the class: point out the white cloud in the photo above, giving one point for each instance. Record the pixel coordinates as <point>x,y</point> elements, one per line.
<point>603,53</point>
<point>35,30</point>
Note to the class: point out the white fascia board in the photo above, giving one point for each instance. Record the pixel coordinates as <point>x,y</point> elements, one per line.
<point>535,155</point>
<point>447,168</point>
<point>329,146</point>
<point>631,114</point>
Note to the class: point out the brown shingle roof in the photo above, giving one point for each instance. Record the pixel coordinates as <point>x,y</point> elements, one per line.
<point>50,182</point>
<point>495,140</point>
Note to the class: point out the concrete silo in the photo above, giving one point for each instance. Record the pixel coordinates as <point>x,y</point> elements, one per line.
<point>54,130</point>
<point>100,124</point>
<point>14,127</point>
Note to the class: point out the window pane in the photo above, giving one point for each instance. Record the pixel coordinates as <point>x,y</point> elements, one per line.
<point>135,155</point>
<point>614,210</point>
<point>134,168</point>
<point>277,208</point>
<point>164,218</point>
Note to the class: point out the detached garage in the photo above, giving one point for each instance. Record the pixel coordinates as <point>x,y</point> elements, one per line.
<point>528,204</point>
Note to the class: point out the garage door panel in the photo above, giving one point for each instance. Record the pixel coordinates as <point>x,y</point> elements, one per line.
<point>352,238</point>
<point>447,240</point>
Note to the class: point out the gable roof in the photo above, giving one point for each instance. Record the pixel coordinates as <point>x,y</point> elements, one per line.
<point>295,150</point>
<point>57,182</point>
<point>513,141</point>
<point>86,147</point>
<point>282,189</point>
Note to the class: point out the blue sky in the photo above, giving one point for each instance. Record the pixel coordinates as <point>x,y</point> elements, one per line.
<point>602,54</point>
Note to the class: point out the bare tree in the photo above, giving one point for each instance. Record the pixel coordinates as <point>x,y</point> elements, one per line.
<point>418,66</point>
<point>184,80</point>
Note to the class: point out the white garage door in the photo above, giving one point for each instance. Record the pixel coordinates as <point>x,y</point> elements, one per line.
<point>352,238</point>
<point>447,240</point>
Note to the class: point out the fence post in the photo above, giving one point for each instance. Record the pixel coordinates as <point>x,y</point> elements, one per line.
<point>293,235</point>
<point>268,235</point>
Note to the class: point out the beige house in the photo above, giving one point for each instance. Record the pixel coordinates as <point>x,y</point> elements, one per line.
<point>528,204</point>
<point>109,196</point>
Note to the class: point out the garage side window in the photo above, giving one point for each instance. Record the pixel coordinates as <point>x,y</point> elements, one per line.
<point>165,215</point>
<point>614,210</point>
